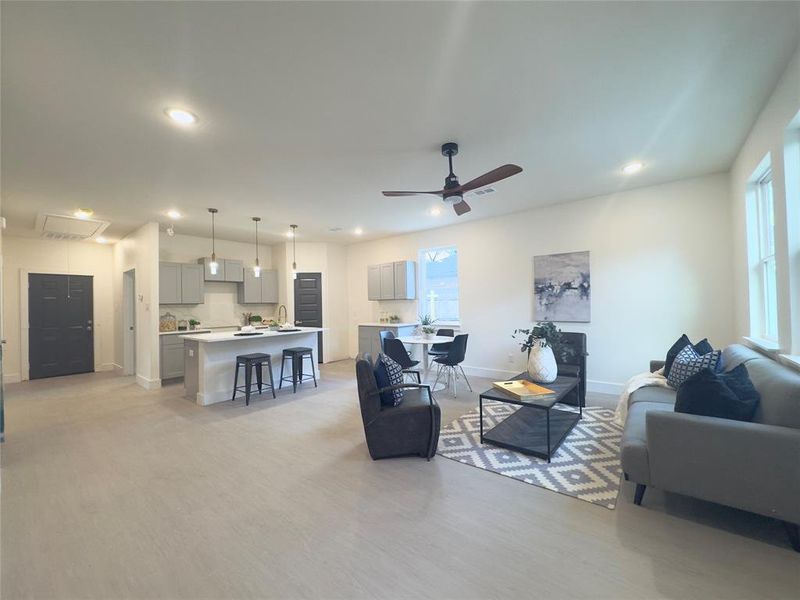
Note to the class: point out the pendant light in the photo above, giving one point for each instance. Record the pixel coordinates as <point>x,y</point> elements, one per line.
<point>294,251</point>
<point>213,266</point>
<point>256,265</point>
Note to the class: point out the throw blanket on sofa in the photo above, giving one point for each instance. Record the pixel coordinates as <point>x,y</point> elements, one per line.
<point>634,383</point>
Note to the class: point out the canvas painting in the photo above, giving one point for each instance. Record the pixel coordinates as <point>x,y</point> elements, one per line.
<point>562,288</point>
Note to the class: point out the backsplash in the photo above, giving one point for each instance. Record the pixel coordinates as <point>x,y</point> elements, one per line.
<point>221,307</point>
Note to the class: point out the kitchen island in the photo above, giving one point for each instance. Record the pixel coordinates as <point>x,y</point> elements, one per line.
<point>210,359</point>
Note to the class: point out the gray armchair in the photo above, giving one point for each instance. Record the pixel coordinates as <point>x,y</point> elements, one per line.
<point>412,428</point>
<point>753,466</point>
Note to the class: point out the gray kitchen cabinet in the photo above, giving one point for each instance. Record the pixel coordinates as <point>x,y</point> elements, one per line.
<point>405,280</point>
<point>374,282</point>
<point>392,281</point>
<point>269,286</point>
<point>169,283</point>
<point>171,356</point>
<point>180,283</point>
<point>387,281</point>
<point>369,339</point>
<point>259,290</point>
<point>234,270</point>
<point>207,275</point>
<point>192,284</point>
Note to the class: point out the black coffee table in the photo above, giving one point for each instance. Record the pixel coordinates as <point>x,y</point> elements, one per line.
<point>537,428</point>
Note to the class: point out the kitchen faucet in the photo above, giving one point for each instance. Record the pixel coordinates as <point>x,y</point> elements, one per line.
<point>285,314</point>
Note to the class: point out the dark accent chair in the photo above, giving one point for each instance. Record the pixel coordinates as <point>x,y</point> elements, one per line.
<point>385,335</point>
<point>574,366</point>
<point>441,349</point>
<point>412,428</point>
<point>450,365</point>
<point>394,349</point>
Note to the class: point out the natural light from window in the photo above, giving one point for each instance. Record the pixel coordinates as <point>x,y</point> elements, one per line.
<point>766,276</point>
<point>438,279</point>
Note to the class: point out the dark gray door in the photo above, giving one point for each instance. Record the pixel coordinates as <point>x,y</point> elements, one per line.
<point>308,304</point>
<point>61,325</point>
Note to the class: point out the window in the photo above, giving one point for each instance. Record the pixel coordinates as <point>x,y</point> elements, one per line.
<point>438,283</point>
<point>766,276</point>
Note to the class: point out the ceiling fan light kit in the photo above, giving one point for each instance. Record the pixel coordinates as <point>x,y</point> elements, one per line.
<point>453,192</point>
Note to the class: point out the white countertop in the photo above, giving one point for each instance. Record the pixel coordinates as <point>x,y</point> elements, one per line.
<point>184,332</point>
<point>388,324</point>
<point>228,336</point>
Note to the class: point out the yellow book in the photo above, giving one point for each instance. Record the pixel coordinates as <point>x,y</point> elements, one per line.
<point>522,388</point>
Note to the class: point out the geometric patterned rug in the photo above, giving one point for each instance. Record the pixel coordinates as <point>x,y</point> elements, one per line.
<point>585,466</point>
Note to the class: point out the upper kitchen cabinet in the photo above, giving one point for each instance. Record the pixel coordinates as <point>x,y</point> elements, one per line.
<point>259,290</point>
<point>392,281</point>
<point>227,270</point>
<point>374,282</point>
<point>180,283</point>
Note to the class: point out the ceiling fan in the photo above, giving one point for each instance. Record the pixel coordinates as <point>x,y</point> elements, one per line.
<point>453,192</point>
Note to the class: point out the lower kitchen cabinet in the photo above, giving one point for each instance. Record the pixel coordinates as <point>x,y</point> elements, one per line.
<point>369,339</point>
<point>171,356</point>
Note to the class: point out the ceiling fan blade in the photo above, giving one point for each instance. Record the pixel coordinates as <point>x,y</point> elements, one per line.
<point>461,208</point>
<point>413,193</point>
<point>489,178</point>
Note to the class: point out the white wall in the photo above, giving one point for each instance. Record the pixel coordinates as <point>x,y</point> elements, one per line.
<point>660,266</point>
<point>331,261</point>
<point>221,307</point>
<point>768,136</point>
<point>139,251</point>
<point>31,255</point>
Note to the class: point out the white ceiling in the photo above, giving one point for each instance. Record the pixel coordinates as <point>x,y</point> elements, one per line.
<point>309,110</point>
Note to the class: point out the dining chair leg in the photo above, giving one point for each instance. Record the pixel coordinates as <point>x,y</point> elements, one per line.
<point>465,377</point>
<point>438,374</point>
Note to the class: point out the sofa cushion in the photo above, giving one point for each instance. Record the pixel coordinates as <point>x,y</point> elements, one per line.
<point>633,446</point>
<point>653,393</point>
<point>724,395</point>
<point>688,362</point>
<point>779,387</point>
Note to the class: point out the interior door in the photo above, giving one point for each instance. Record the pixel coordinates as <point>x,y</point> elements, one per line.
<point>61,325</point>
<point>308,304</point>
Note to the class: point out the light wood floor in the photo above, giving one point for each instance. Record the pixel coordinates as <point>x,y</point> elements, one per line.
<point>109,491</point>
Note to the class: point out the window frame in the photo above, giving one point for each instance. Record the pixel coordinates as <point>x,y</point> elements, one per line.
<point>423,288</point>
<point>766,266</point>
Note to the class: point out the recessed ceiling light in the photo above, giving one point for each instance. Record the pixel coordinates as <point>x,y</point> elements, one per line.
<point>436,211</point>
<point>632,167</point>
<point>174,214</point>
<point>83,213</point>
<point>358,231</point>
<point>101,240</point>
<point>181,116</point>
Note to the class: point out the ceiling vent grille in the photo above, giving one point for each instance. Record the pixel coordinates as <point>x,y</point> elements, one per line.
<point>59,227</point>
<point>483,192</point>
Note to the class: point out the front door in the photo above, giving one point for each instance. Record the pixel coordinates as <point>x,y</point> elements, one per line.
<point>61,325</point>
<point>308,304</point>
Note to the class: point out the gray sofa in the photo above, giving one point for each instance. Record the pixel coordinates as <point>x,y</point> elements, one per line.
<point>753,466</point>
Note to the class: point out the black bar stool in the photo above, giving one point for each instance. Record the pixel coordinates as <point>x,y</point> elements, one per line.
<point>249,361</point>
<point>297,355</point>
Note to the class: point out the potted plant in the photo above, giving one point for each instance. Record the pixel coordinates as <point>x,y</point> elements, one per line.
<point>193,323</point>
<point>255,319</point>
<point>394,319</point>
<point>543,342</point>
<point>426,325</point>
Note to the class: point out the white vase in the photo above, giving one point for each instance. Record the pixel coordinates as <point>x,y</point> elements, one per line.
<point>542,365</point>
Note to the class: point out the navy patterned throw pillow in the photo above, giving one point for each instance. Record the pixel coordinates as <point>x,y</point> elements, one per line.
<point>387,373</point>
<point>688,362</point>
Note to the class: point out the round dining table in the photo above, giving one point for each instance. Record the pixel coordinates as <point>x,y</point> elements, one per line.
<point>425,342</point>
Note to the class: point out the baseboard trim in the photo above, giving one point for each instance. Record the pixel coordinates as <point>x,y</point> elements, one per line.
<point>148,384</point>
<point>118,369</point>
<point>105,367</point>
<point>497,374</point>
<point>11,378</point>
<point>604,387</point>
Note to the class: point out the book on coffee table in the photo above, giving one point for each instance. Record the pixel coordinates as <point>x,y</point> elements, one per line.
<point>523,389</point>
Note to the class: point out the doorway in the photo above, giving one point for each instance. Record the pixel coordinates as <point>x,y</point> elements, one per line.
<point>61,325</point>
<point>129,322</point>
<point>308,304</point>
